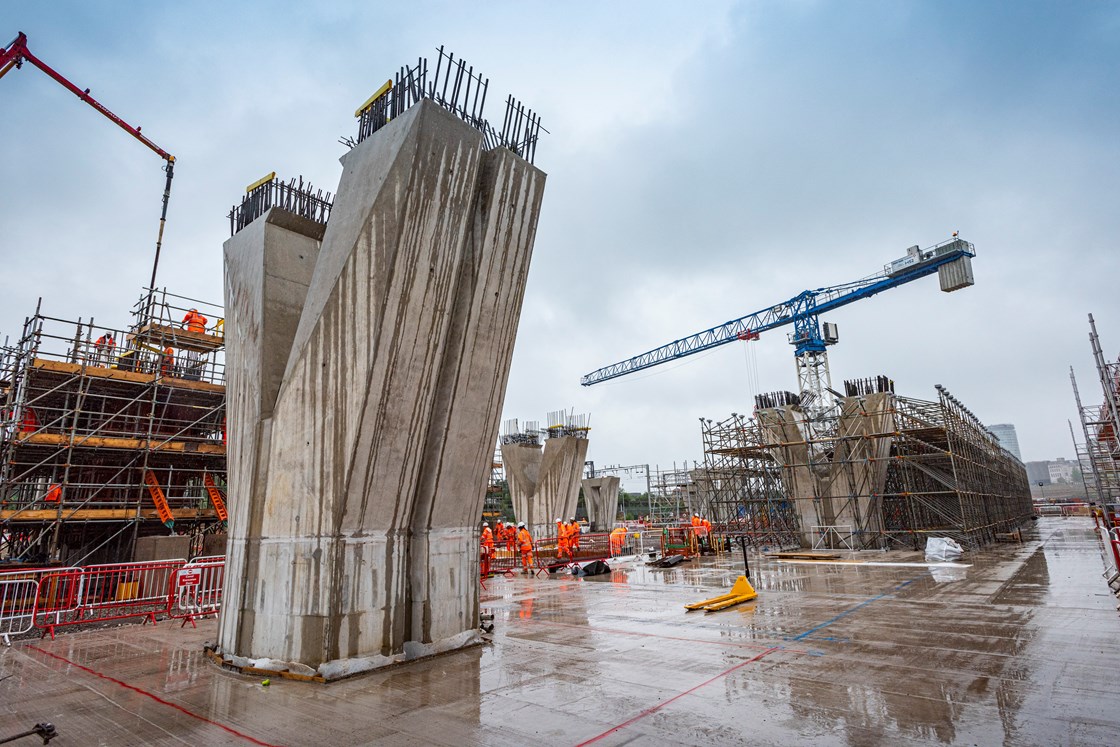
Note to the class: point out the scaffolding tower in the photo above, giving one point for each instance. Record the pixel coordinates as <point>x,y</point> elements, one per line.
<point>674,494</point>
<point>1099,454</point>
<point>877,470</point>
<point>493,504</point>
<point>743,485</point>
<point>108,435</point>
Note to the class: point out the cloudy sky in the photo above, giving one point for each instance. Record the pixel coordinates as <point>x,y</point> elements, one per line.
<point>706,160</point>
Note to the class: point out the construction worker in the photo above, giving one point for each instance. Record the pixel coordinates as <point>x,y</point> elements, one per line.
<point>167,362</point>
<point>499,532</point>
<point>195,322</point>
<point>29,423</point>
<point>487,537</point>
<point>618,537</point>
<point>54,494</point>
<point>696,521</point>
<point>703,533</point>
<point>525,544</point>
<point>510,538</point>
<point>562,549</point>
<point>103,349</point>
<point>574,533</point>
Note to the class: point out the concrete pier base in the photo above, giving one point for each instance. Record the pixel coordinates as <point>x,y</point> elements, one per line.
<point>362,451</point>
<point>601,497</point>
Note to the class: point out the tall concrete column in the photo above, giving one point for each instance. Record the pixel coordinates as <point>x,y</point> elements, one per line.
<point>601,497</point>
<point>544,482</point>
<point>522,464</point>
<point>784,429</point>
<point>558,489</point>
<point>379,448</point>
<point>269,265</point>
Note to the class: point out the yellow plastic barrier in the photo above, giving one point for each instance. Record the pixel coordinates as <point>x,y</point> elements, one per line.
<point>741,592</point>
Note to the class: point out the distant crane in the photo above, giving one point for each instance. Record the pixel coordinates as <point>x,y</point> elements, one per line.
<point>951,260</point>
<point>17,52</point>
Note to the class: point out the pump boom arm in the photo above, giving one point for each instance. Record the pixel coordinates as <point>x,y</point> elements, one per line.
<point>13,56</point>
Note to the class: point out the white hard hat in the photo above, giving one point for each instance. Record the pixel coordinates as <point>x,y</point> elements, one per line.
<point>485,523</point>
<point>572,519</point>
<point>559,520</point>
<point>520,523</point>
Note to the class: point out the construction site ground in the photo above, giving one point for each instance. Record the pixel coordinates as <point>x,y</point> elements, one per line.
<point>1019,648</point>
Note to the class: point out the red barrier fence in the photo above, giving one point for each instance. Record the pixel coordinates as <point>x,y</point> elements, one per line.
<point>100,593</point>
<point>196,589</point>
<point>20,591</point>
<point>49,598</point>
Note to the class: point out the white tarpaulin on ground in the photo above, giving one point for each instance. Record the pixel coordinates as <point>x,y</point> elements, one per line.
<point>942,549</point>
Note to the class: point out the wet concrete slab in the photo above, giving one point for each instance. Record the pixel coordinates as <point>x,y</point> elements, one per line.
<point>1020,648</point>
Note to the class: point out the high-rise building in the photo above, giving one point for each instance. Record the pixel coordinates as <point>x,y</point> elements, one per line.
<point>1008,439</point>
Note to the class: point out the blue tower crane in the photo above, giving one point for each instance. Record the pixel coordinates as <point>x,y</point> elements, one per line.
<point>951,260</point>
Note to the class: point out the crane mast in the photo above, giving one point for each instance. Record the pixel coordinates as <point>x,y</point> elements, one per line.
<point>950,259</point>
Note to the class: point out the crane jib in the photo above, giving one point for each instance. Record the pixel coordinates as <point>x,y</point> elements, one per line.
<point>803,309</point>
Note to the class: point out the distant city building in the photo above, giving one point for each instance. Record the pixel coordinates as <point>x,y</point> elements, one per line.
<point>1008,439</point>
<point>1054,471</point>
<point>1061,470</point>
<point>1038,472</point>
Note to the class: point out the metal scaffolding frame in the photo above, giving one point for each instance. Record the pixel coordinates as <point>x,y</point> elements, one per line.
<point>674,493</point>
<point>1099,454</point>
<point>108,434</point>
<point>743,485</point>
<point>875,471</point>
<point>495,489</point>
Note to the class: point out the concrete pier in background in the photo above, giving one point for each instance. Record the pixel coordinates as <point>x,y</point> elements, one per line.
<point>360,454</point>
<point>600,494</point>
<point>837,490</point>
<point>544,482</point>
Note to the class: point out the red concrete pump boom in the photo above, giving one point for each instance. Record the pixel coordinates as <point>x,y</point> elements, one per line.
<point>14,55</point>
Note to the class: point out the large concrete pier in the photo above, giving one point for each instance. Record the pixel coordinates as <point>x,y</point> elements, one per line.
<point>362,426</point>
<point>544,483</point>
<point>600,494</point>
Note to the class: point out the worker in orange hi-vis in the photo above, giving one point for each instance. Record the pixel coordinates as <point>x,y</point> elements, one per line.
<point>525,544</point>
<point>510,538</point>
<point>29,423</point>
<point>561,540</point>
<point>103,349</point>
<point>573,537</point>
<point>195,322</point>
<point>499,532</point>
<point>167,363</point>
<point>696,522</point>
<point>618,537</point>
<point>487,537</point>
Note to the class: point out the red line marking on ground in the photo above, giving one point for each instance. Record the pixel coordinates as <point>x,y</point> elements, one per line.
<point>678,696</point>
<point>666,637</point>
<point>154,697</point>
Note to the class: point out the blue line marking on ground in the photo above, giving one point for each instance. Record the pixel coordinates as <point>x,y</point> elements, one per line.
<point>847,612</point>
